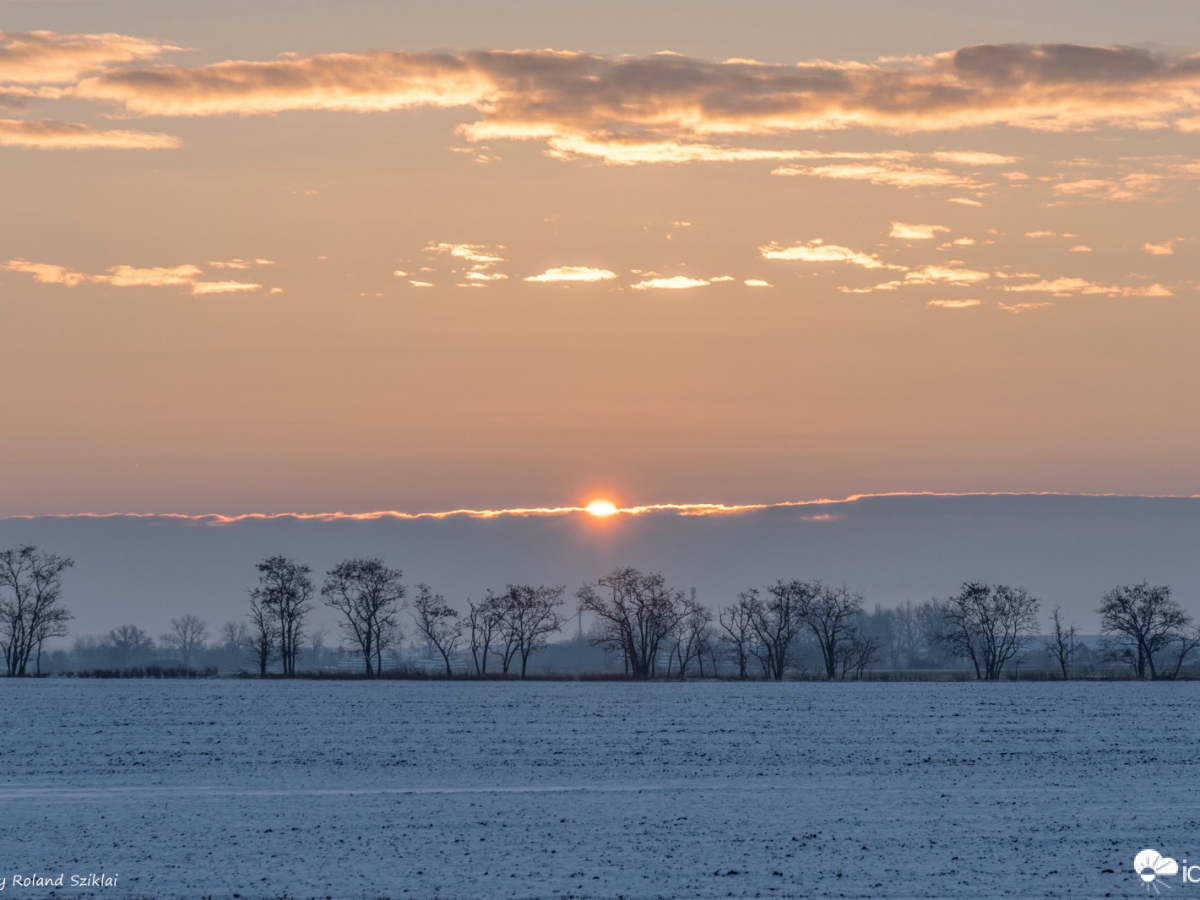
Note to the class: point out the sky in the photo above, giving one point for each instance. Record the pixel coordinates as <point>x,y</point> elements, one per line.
<point>264,257</point>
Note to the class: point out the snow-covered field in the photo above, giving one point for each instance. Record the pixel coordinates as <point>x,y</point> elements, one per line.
<point>413,789</point>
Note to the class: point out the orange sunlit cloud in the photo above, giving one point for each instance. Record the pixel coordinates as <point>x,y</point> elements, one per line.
<point>953,304</point>
<point>187,275</point>
<point>562,274</point>
<point>595,508</point>
<point>817,251</point>
<point>44,57</point>
<point>600,104</point>
<point>916,232</point>
<point>50,134</point>
<point>1065,287</point>
<point>674,283</point>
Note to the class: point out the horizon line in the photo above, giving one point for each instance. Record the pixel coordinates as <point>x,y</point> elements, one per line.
<point>681,509</point>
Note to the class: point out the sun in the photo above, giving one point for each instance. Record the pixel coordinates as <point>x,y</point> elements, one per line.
<point>601,508</point>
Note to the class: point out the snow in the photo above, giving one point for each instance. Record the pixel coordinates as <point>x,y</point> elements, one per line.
<point>558,789</point>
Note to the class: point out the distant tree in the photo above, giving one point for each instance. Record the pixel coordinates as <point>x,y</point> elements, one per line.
<point>832,615</point>
<point>739,633</point>
<point>529,615</point>
<point>691,634</point>
<point>187,635</point>
<point>988,625</point>
<point>264,633</point>
<point>369,596</point>
<point>484,620</point>
<point>31,610</point>
<point>127,644</point>
<point>437,622</point>
<point>856,653</point>
<point>635,613</point>
<point>1145,620</point>
<point>1060,646</point>
<point>234,640</point>
<point>285,591</point>
<point>778,620</point>
<point>316,645</point>
<point>907,636</point>
<point>1185,643</point>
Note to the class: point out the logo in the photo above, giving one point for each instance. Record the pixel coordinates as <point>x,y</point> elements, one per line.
<point>1152,867</point>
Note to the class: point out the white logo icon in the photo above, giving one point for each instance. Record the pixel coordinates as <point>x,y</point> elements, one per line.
<point>1152,865</point>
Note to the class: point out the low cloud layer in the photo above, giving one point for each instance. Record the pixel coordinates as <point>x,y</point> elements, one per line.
<point>123,276</point>
<point>667,107</point>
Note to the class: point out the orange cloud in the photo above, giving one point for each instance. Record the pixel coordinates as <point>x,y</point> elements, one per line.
<point>895,174</point>
<point>128,276</point>
<point>44,57</point>
<point>131,276</point>
<point>954,304</point>
<point>50,134</point>
<point>1066,287</point>
<point>562,274</point>
<point>817,251</point>
<point>1166,248</point>
<point>674,283</point>
<point>200,288</point>
<point>916,232</point>
<point>45,273</point>
<point>671,108</point>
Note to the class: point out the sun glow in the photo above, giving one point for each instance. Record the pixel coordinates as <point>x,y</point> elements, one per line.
<point>601,508</point>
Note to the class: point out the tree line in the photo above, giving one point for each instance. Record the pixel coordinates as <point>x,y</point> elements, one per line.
<point>653,629</point>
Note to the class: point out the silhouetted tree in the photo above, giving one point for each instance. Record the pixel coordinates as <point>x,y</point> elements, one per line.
<point>1060,646</point>
<point>832,616</point>
<point>437,622</point>
<point>31,610</point>
<point>369,596</point>
<point>187,635</point>
<point>264,633</point>
<point>529,615</point>
<point>285,590</point>
<point>691,634</point>
<point>1145,620</point>
<point>635,613</point>
<point>988,625</point>
<point>778,619</point>
<point>483,622</point>
<point>1185,643</point>
<point>739,633</point>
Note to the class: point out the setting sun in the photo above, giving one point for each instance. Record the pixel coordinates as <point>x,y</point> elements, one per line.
<point>601,508</point>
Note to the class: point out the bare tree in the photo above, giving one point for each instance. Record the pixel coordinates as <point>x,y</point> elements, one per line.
<point>437,622</point>
<point>739,633</point>
<point>1060,646</point>
<point>1145,620</point>
<point>126,644</point>
<point>369,596</point>
<point>30,604</point>
<point>483,622</point>
<point>285,590</point>
<point>187,635</point>
<point>316,644</point>
<point>1185,643</point>
<point>832,615</point>
<point>855,654</point>
<point>530,614</point>
<point>778,620</point>
<point>235,640</point>
<point>264,633</point>
<point>635,613</point>
<point>691,634</point>
<point>989,625</point>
